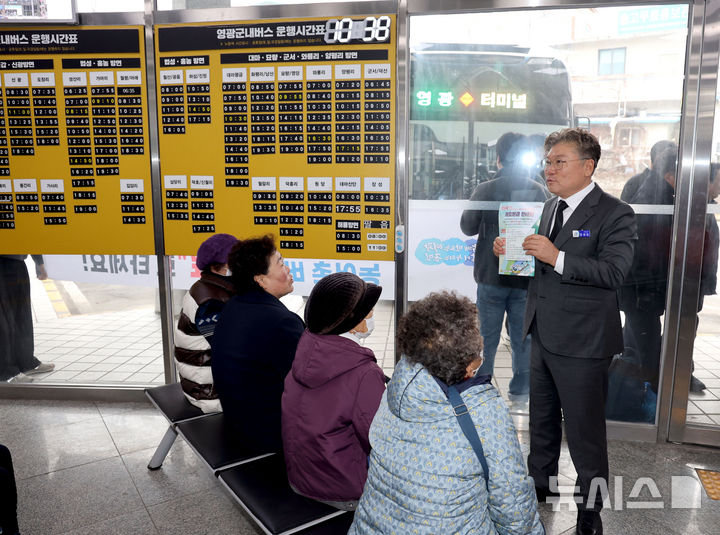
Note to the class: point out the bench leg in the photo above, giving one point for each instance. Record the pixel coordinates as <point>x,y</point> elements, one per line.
<point>163,449</point>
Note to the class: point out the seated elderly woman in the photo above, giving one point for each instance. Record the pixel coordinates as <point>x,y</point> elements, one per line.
<point>332,393</point>
<point>425,476</point>
<point>254,343</point>
<point>201,309</point>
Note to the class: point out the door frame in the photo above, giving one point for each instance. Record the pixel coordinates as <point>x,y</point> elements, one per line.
<point>696,138</point>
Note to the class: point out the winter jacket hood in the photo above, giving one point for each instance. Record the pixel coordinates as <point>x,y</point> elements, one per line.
<point>415,396</point>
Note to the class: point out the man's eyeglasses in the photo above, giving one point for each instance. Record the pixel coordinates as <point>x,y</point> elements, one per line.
<point>559,164</point>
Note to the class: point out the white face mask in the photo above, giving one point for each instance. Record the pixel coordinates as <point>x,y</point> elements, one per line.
<point>370,324</point>
<point>228,272</point>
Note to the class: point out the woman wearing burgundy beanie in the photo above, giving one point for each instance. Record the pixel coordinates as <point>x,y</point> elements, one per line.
<point>332,393</point>
<point>201,308</point>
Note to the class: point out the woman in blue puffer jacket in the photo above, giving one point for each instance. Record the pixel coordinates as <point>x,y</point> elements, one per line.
<point>424,476</point>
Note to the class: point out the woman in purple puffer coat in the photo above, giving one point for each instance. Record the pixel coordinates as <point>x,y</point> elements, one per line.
<point>332,393</point>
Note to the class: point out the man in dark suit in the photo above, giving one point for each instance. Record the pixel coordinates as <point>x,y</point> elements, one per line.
<point>584,250</point>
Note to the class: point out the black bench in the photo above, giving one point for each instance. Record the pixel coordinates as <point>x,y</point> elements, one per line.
<point>257,482</point>
<point>262,489</point>
<point>215,443</point>
<point>173,405</point>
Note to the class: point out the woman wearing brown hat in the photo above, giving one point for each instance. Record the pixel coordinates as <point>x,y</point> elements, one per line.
<point>332,393</point>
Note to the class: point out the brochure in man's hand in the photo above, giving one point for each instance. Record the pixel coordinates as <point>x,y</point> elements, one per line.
<point>517,220</point>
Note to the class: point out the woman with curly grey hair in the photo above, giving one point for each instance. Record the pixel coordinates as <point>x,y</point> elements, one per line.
<point>429,473</point>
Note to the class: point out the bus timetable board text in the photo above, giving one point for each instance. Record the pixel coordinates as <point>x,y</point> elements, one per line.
<point>74,154</point>
<point>283,127</point>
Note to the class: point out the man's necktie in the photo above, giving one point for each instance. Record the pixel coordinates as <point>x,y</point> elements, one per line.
<point>558,220</point>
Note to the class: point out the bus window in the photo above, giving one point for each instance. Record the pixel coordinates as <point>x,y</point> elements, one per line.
<point>463,97</point>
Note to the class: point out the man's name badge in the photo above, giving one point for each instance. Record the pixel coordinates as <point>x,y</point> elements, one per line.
<point>581,233</point>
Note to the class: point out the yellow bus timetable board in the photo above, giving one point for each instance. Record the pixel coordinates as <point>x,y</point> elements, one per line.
<point>74,155</point>
<point>280,126</point>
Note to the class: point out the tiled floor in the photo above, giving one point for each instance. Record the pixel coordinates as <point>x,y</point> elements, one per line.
<point>81,470</point>
<point>110,347</point>
<point>704,407</point>
<point>126,346</point>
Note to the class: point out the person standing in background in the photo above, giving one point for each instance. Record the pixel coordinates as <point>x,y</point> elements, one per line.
<point>643,293</point>
<point>634,183</point>
<point>501,294</point>
<point>17,344</point>
<point>708,274</point>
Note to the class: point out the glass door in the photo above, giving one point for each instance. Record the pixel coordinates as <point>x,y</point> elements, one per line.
<point>693,376</point>
<point>485,89</point>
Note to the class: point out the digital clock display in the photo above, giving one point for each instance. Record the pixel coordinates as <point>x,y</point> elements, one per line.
<point>368,30</point>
